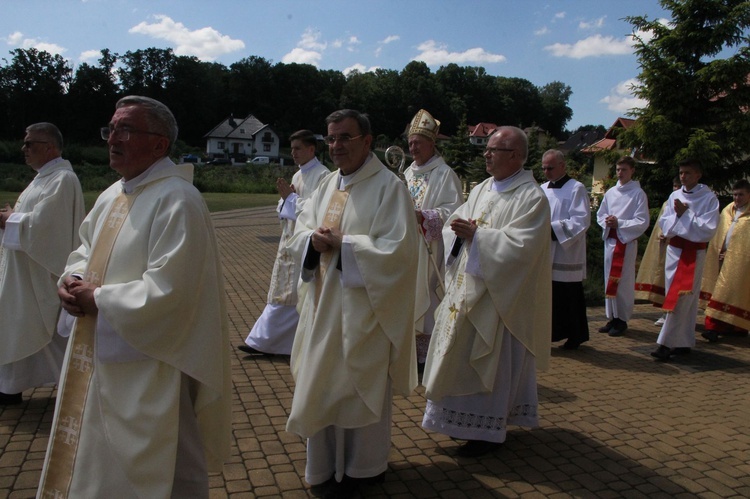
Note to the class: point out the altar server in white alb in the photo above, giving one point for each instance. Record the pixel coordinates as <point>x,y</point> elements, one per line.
<point>357,238</point>
<point>436,191</point>
<point>623,216</point>
<point>273,332</point>
<point>571,216</point>
<point>690,220</point>
<point>143,407</point>
<point>486,347</point>
<point>37,234</point>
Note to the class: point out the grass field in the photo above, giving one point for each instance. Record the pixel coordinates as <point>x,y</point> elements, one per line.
<point>216,201</point>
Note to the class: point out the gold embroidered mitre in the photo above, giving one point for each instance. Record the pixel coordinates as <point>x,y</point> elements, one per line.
<point>424,124</point>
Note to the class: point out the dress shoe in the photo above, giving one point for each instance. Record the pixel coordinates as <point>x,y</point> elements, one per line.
<point>662,353</point>
<point>659,321</point>
<point>321,489</point>
<point>476,448</point>
<point>619,328</point>
<point>250,350</point>
<point>607,327</point>
<point>681,351</point>
<point>711,336</point>
<point>10,398</point>
<point>570,345</point>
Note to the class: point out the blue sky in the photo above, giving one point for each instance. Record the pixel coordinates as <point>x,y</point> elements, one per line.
<point>583,43</point>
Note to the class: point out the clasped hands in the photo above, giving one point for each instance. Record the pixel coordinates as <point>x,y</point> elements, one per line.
<point>326,239</point>
<point>464,229</point>
<point>77,297</point>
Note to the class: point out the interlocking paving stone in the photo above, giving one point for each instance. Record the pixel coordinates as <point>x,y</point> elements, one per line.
<point>614,422</point>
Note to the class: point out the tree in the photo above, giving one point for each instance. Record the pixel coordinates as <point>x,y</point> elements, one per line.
<point>555,110</point>
<point>91,99</point>
<point>463,156</point>
<point>698,102</point>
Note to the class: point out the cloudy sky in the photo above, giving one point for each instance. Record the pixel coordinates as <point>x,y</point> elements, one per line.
<point>585,44</point>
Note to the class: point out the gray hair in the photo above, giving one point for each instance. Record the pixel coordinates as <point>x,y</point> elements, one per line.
<point>49,131</point>
<point>519,136</point>
<point>558,154</point>
<point>160,119</point>
<point>362,120</point>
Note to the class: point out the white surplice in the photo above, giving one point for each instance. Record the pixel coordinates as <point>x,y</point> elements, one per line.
<point>630,205</point>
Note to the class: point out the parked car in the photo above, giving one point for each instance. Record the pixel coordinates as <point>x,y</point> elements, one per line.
<point>190,158</point>
<point>219,161</point>
<point>260,160</point>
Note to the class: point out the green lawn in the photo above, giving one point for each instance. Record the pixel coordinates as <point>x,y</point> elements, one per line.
<point>216,201</point>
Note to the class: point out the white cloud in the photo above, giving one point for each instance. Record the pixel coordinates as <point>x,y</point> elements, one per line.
<point>310,40</point>
<point>434,54</point>
<point>16,39</point>
<point>621,99</point>
<point>593,46</point>
<point>89,55</point>
<point>360,68</point>
<point>390,39</point>
<point>542,31</point>
<point>595,24</point>
<point>204,43</point>
<point>302,56</point>
<point>560,15</point>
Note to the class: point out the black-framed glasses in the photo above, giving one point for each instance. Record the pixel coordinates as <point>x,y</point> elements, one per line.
<point>341,139</point>
<point>123,133</point>
<point>28,143</point>
<point>547,168</point>
<point>493,150</point>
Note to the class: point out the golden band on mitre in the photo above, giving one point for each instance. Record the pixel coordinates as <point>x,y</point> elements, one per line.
<point>424,124</point>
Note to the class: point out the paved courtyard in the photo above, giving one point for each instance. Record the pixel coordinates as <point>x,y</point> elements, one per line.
<point>614,423</point>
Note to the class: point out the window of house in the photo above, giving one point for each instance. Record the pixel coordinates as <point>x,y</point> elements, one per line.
<point>266,147</point>
<point>221,145</point>
<point>242,130</point>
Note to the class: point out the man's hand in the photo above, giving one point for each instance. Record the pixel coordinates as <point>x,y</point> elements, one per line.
<point>325,239</point>
<point>77,297</point>
<point>284,188</point>
<point>611,222</point>
<point>6,212</point>
<point>679,207</point>
<point>465,229</point>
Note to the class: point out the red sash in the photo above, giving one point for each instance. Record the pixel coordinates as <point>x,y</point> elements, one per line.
<point>682,283</point>
<point>615,270</point>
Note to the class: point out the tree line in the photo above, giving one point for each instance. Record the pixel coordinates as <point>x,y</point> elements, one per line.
<point>39,86</point>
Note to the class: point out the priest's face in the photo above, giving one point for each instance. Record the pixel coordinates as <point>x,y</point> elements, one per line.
<point>350,147</point>
<point>741,197</point>
<point>37,150</point>
<point>421,149</point>
<point>502,156</point>
<point>302,152</point>
<point>553,167</point>
<point>133,147</point>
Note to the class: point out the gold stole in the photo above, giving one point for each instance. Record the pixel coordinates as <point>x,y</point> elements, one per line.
<point>332,220</point>
<point>73,392</point>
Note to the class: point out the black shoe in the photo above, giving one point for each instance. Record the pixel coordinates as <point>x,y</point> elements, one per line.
<point>570,345</point>
<point>10,398</point>
<point>250,350</point>
<point>662,353</point>
<point>681,351</point>
<point>321,489</point>
<point>607,327</point>
<point>711,336</point>
<point>476,448</point>
<point>619,328</point>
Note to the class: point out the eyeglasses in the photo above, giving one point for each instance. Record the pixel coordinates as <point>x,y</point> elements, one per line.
<point>28,143</point>
<point>123,133</point>
<point>547,168</point>
<point>493,150</point>
<point>341,139</point>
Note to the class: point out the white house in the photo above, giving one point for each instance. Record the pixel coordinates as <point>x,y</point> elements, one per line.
<point>241,139</point>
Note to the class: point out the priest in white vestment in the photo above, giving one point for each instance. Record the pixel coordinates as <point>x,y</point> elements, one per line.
<point>486,348</point>
<point>37,235</point>
<point>354,345</point>
<point>689,221</point>
<point>143,405</point>
<point>273,331</point>
<point>436,192</point>
<point>623,216</point>
<point>571,216</point>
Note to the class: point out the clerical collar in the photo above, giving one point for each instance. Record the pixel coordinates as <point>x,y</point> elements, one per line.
<point>556,184</point>
<point>49,164</point>
<point>345,180</point>
<point>313,162</point>
<point>419,168</point>
<point>504,184</point>
<point>695,189</point>
<point>128,186</point>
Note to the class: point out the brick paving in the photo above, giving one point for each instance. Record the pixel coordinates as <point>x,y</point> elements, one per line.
<point>614,423</point>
